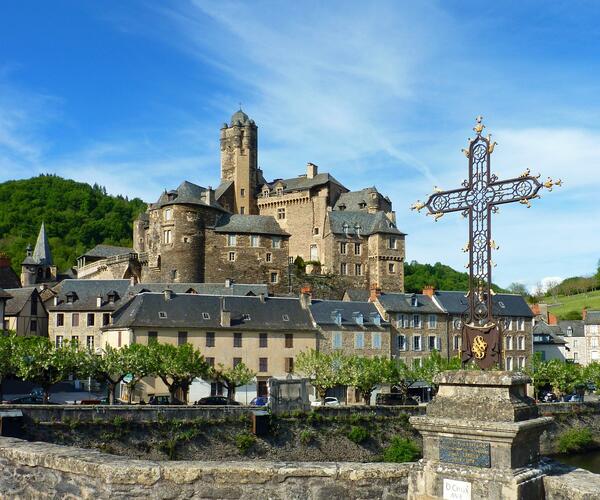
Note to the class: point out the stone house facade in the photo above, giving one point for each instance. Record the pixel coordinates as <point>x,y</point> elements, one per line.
<point>25,312</point>
<point>591,331</point>
<point>574,336</point>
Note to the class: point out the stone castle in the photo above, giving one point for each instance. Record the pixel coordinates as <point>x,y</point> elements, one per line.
<point>250,230</point>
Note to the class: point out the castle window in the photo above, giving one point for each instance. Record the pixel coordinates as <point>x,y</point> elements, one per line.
<point>168,214</point>
<point>521,324</point>
<point>391,268</point>
<point>242,210</point>
<point>174,274</point>
<point>509,363</point>
<point>242,192</point>
<point>281,213</point>
<point>362,205</point>
<point>231,240</point>
<point>269,257</point>
<point>357,248</point>
<point>432,321</point>
<point>509,343</point>
<point>186,239</point>
<point>289,365</point>
<point>416,342</point>
<point>520,343</point>
<point>376,340</point>
<point>342,207</point>
<point>343,269</point>
<point>359,340</point>
<point>416,321</point>
<point>279,191</point>
<point>358,269</point>
<point>167,236</point>
<point>315,230</point>
<point>343,248</point>
<point>254,240</point>
<point>265,193</point>
<point>274,277</point>
<point>289,340</point>
<point>392,243</point>
<point>276,241</point>
<point>337,340</point>
<point>231,256</point>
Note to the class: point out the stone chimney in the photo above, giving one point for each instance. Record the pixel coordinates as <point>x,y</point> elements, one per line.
<point>225,314</point>
<point>428,290</point>
<point>132,281</point>
<point>375,292</point>
<point>229,283</point>
<point>210,196</point>
<point>311,170</point>
<point>168,293</point>
<point>4,260</point>
<point>305,296</point>
<point>261,297</point>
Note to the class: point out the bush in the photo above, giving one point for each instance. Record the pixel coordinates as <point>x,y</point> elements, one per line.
<point>401,450</point>
<point>306,436</point>
<point>575,439</point>
<point>358,434</point>
<point>245,441</point>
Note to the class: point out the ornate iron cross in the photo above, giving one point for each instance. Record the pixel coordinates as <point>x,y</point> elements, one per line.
<point>479,197</point>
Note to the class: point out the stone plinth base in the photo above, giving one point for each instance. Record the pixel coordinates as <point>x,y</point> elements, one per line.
<point>480,440</point>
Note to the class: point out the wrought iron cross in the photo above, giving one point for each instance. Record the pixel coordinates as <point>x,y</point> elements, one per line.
<point>479,197</point>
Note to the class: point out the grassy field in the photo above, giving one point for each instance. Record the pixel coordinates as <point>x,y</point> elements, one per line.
<point>566,303</point>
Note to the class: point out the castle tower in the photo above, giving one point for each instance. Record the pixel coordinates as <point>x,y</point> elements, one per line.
<point>38,266</point>
<point>239,157</point>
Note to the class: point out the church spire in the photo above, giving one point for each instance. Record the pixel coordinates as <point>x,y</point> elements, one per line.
<point>41,252</point>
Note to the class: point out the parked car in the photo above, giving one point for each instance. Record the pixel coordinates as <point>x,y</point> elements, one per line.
<point>549,397</point>
<point>395,398</point>
<point>29,400</point>
<point>260,401</point>
<point>574,398</point>
<point>216,400</point>
<point>329,401</point>
<point>162,400</point>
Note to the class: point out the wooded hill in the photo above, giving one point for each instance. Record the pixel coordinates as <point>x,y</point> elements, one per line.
<point>77,216</point>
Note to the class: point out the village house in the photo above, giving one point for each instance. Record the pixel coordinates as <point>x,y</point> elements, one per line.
<point>574,336</point>
<point>4,296</point>
<point>548,342</point>
<point>25,312</point>
<point>591,331</point>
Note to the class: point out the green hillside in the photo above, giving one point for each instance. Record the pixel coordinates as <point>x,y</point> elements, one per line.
<point>568,306</point>
<point>77,216</point>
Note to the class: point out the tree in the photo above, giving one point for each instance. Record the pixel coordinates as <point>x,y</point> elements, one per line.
<point>592,374</point>
<point>434,364</point>
<point>137,364</point>
<point>7,358</point>
<point>177,367</point>
<point>325,371</point>
<point>39,361</point>
<point>398,374</point>
<point>537,371</point>
<point>366,374</point>
<point>108,367</point>
<point>563,377</point>
<point>518,288</point>
<point>232,378</point>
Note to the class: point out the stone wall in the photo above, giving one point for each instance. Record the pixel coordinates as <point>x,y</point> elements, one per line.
<point>41,470</point>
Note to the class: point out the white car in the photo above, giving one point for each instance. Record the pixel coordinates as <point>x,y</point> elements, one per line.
<point>329,401</point>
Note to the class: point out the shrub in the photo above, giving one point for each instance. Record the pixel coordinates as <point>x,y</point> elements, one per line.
<point>401,450</point>
<point>575,439</point>
<point>245,441</point>
<point>358,434</point>
<point>306,436</point>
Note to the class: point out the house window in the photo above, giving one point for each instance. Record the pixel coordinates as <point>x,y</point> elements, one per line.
<point>289,340</point>
<point>432,321</point>
<point>263,364</point>
<point>337,340</point>
<point>237,340</point>
<point>376,340</point>
<point>254,240</point>
<point>358,269</point>
<point>182,338</point>
<point>246,317</point>
<point>359,340</point>
<point>119,339</point>
<point>416,321</point>
<point>75,319</point>
<point>33,326</point>
<point>269,257</point>
<point>90,342</point>
<point>343,248</point>
<point>91,317</point>
<point>357,248</point>
<point>509,363</point>
<point>162,314</point>
<point>210,339</point>
<point>210,362</point>
<point>521,362</point>
<point>242,192</point>
<point>391,268</point>
<point>432,343</point>
<point>289,365</point>
<point>314,253</point>
<point>521,324</point>
<point>167,236</point>
<point>508,324</point>
<point>279,191</point>
<point>168,214</point>
<point>281,213</point>
<point>285,317</point>
<point>205,315</point>
<point>405,321</point>
<point>231,240</point>
<point>276,241</point>
<point>75,340</point>
<point>274,277</point>
<point>521,343</point>
<point>105,319</point>
<point>231,256</point>
<point>216,388</point>
<point>416,342</point>
<point>575,356</point>
<point>343,269</point>
<point>392,243</point>
<point>263,340</point>
<point>456,341</point>
<point>152,337</point>
<point>60,319</point>
<point>509,343</point>
<point>59,341</point>
<point>402,342</point>
<point>236,361</point>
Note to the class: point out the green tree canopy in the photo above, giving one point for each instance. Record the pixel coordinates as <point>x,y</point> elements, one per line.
<point>232,377</point>
<point>108,367</point>
<point>325,371</point>
<point>366,374</point>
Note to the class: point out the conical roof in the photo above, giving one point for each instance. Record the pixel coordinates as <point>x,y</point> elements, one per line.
<point>41,252</point>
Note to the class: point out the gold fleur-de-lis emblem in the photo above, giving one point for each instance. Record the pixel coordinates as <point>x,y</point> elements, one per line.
<point>479,347</point>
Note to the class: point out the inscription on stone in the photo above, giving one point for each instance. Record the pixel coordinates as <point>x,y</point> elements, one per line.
<point>456,490</point>
<point>463,452</point>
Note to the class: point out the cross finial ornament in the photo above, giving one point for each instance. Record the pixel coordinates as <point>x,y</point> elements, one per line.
<point>479,197</point>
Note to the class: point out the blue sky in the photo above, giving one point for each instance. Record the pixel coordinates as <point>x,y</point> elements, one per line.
<point>132,95</point>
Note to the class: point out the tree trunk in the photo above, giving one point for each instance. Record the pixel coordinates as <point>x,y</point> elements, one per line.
<point>1,390</point>
<point>322,391</point>
<point>172,393</point>
<point>367,397</point>
<point>231,392</point>
<point>46,389</point>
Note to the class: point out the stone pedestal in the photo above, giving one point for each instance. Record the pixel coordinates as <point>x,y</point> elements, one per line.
<point>480,439</point>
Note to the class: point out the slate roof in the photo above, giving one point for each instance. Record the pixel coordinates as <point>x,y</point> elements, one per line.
<point>402,303</point>
<point>251,224</point>
<point>4,294</point>
<point>20,296</point>
<point>357,294</point>
<point>504,304</point>
<point>41,253</point>
<point>187,311</point>
<point>8,278</point>
<point>353,199</point>
<point>240,118</point>
<point>87,292</point>
<point>553,331</point>
<point>368,223</point>
<point>222,189</point>
<point>103,251</point>
<point>187,194</point>
<point>323,312</point>
<point>202,288</point>
<point>576,325</point>
<point>302,182</point>
<point>592,318</point>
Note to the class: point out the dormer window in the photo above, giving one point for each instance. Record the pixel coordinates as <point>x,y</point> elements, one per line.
<point>336,316</point>
<point>162,314</point>
<point>342,207</point>
<point>279,191</point>
<point>345,228</point>
<point>113,297</point>
<point>71,296</point>
<point>376,319</point>
<point>168,214</point>
<point>265,193</point>
<point>414,302</point>
<point>362,205</point>
<point>357,229</point>
<point>246,317</point>
<point>501,304</point>
<point>205,315</point>
<point>358,318</point>
<point>569,331</point>
<point>285,317</point>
